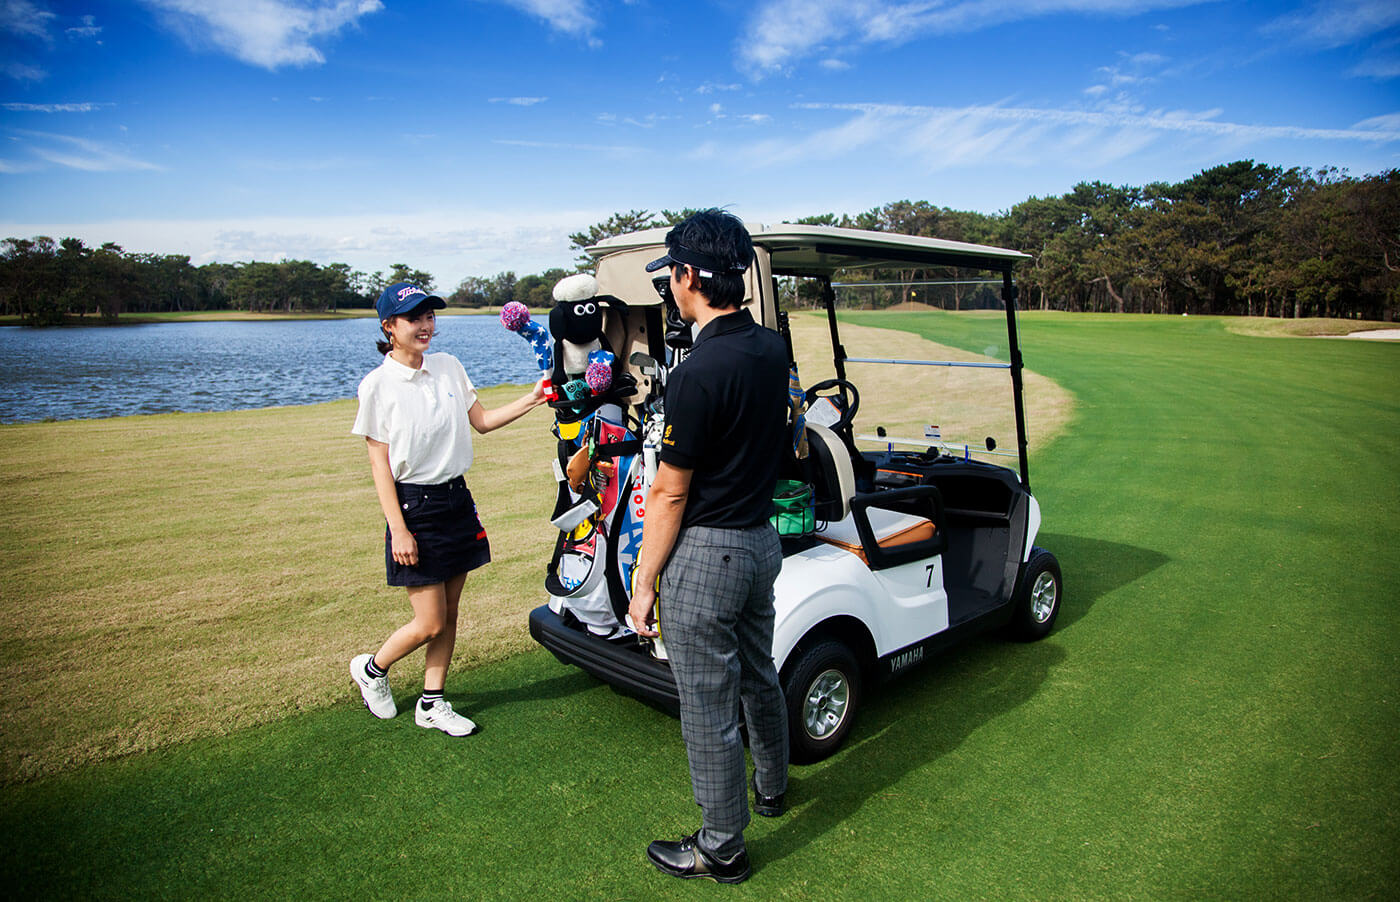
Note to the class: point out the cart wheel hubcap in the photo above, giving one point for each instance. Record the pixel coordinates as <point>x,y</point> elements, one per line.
<point>824,709</point>
<point>1044,594</point>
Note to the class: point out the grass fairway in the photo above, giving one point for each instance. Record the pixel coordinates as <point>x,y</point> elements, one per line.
<point>202,573</point>
<point>1215,715</point>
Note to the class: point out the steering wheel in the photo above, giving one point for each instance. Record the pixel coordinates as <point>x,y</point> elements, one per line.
<point>850,400</point>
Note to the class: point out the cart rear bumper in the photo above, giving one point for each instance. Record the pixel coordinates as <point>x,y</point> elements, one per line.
<point>626,665</point>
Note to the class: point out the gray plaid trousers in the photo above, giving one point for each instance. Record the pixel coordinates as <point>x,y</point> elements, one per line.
<point>716,613</point>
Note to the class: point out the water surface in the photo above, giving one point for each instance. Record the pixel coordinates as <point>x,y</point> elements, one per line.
<point>103,371</point>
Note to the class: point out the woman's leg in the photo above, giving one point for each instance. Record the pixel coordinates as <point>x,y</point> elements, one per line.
<point>439,652</point>
<point>429,620</point>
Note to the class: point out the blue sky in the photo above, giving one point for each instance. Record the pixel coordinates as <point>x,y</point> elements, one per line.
<point>466,137</point>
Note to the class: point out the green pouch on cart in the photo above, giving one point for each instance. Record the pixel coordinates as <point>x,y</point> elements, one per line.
<point>795,514</point>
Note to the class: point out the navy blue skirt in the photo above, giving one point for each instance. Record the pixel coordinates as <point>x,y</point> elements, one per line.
<point>450,537</point>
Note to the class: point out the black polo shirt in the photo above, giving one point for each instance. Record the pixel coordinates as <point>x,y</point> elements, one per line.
<point>726,420</point>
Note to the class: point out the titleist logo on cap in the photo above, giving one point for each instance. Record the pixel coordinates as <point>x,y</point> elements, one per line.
<point>406,291</point>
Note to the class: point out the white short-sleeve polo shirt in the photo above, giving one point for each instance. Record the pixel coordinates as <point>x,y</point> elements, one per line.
<point>421,415</point>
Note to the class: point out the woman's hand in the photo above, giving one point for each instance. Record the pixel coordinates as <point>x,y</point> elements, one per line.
<point>404,547</point>
<point>537,395</point>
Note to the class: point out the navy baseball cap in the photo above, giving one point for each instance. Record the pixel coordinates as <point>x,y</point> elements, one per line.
<point>401,297</point>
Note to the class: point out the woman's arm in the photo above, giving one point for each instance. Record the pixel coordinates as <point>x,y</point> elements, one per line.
<point>401,542</point>
<point>484,420</point>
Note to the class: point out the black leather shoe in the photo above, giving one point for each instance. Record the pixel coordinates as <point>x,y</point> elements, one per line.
<point>686,859</point>
<point>768,806</point>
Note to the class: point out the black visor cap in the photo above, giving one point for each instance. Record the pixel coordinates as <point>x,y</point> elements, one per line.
<point>682,254</point>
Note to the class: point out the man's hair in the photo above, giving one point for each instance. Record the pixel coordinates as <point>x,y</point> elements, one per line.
<point>721,235</point>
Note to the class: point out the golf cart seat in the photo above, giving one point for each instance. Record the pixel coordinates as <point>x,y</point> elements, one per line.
<point>883,528</point>
<point>830,472</point>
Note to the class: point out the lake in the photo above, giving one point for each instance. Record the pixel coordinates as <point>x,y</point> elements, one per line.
<point>106,371</point>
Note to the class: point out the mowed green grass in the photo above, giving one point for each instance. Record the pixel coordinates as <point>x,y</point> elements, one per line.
<point>1215,715</point>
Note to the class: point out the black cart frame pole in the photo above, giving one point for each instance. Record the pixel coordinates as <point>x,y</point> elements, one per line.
<point>1008,298</point>
<point>839,352</point>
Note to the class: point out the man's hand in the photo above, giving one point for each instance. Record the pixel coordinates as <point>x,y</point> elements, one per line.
<point>643,607</point>
<point>665,505</point>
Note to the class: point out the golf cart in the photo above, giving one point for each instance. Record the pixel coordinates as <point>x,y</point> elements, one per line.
<point>908,545</point>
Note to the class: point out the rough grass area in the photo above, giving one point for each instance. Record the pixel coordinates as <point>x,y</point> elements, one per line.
<point>1307,327</point>
<point>1216,716</point>
<point>966,404</point>
<point>176,575</point>
<point>173,576</point>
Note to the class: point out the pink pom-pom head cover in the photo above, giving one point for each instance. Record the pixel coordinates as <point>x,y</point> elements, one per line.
<point>514,316</point>
<point>598,376</point>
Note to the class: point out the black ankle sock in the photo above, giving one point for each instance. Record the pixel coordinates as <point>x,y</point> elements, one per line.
<point>374,670</point>
<point>426,701</point>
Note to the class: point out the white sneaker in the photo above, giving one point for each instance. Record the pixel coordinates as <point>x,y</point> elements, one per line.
<point>378,699</point>
<point>441,717</point>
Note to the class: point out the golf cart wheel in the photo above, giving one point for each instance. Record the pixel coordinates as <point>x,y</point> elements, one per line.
<point>823,692</point>
<point>1038,598</point>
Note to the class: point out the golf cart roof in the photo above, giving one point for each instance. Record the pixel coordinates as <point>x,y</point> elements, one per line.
<point>810,250</point>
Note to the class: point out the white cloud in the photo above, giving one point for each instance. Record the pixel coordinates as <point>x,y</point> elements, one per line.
<point>449,244</point>
<point>834,65</point>
<point>711,87</point>
<point>53,107</point>
<point>89,28</point>
<point>1388,122</point>
<point>943,137</point>
<point>24,72</point>
<point>265,33</point>
<point>1145,59</point>
<point>648,121</point>
<point>1377,68</point>
<point>309,164</point>
<point>1130,69</point>
<point>781,32</point>
<point>26,19</point>
<point>569,16</point>
<point>616,149</point>
<point>1336,23</point>
<point>77,153</point>
<point>519,101</point>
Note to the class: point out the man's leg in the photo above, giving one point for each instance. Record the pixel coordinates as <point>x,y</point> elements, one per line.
<point>701,593</point>
<point>765,709</point>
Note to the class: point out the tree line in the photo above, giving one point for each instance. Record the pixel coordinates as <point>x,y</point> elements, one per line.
<point>46,282</point>
<point>1240,238</point>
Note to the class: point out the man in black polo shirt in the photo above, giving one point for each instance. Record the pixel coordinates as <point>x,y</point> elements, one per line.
<point>707,535</point>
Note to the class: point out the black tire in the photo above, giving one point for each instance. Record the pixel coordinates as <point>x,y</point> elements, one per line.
<point>823,690</point>
<point>1037,598</point>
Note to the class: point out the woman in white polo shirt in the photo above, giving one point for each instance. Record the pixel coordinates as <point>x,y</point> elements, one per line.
<point>415,409</point>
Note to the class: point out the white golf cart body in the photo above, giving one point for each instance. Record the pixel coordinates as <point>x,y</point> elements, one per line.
<point>857,602</point>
